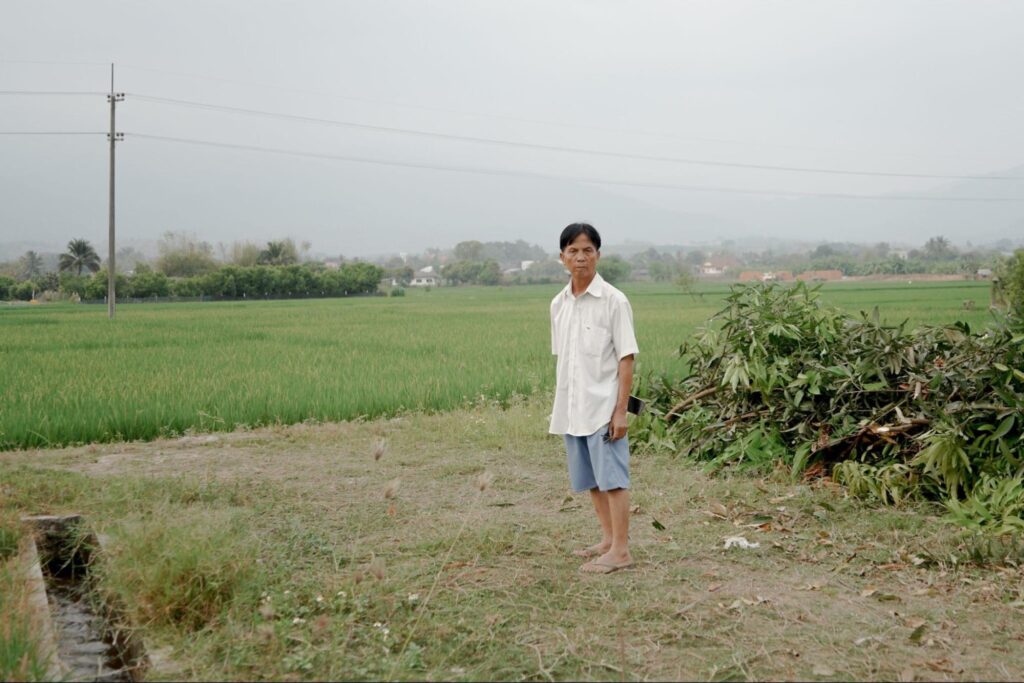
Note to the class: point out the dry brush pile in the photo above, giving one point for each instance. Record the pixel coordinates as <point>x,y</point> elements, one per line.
<point>894,414</point>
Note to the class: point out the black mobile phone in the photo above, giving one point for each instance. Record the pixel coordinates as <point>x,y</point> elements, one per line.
<point>635,405</point>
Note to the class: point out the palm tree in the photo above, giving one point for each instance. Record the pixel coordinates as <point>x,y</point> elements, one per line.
<point>80,255</point>
<point>31,265</point>
<point>278,253</point>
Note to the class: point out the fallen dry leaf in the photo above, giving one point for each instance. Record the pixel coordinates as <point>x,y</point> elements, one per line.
<point>714,587</point>
<point>718,510</point>
<point>907,675</point>
<point>944,665</point>
<point>822,670</point>
<point>813,586</point>
<point>868,592</point>
<point>914,622</point>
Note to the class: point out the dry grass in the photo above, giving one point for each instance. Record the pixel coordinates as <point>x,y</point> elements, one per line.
<point>21,657</point>
<point>463,570</point>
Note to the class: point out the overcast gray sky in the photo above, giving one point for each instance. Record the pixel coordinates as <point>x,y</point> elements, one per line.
<point>917,87</point>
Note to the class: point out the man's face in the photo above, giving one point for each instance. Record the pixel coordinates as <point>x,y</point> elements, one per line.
<point>580,257</point>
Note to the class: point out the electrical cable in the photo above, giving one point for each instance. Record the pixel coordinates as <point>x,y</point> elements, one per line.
<point>33,61</point>
<point>53,132</point>
<point>554,148</point>
<point>501,117</point>
<point>444,110</point>
<point>51,92</point>
<point>542,176</point>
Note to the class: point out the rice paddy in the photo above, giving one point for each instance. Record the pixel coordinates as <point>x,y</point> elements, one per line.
<point>69,375</point>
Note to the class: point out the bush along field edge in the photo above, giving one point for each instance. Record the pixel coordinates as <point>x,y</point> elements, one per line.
<point>777,379</point>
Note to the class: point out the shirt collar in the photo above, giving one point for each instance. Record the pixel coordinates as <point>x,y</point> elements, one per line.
<point>595,288</point>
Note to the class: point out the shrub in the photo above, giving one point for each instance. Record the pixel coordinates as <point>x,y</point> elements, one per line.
<point>893,414</point>
<point>23,291</point>
<point>1011,280</point>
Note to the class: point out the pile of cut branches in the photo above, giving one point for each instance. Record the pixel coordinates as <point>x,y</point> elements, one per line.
<point>936,412</point>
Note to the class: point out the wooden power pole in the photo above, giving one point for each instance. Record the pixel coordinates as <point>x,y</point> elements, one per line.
<point>113,98</point>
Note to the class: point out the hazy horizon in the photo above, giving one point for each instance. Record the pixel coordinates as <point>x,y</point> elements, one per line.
<point>369,107</point>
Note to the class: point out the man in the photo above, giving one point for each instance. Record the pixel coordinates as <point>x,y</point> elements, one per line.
<point>592,335</point>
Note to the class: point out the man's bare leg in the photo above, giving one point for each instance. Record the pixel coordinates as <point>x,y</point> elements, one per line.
<point>617,554</point>
<point>604,516</point>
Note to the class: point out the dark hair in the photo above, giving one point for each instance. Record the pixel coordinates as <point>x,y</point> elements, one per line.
<point>574,230</point>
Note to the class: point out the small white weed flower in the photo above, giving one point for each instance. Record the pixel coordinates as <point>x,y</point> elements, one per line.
<point>414,597</point>
<point>298,620</point>
<point>319,598</point>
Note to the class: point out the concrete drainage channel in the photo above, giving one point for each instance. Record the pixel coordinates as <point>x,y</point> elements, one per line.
<point>85,633</point>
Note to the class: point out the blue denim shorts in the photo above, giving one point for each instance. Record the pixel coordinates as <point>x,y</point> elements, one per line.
<point>597,464</point>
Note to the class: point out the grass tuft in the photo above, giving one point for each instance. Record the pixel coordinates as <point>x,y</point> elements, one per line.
<point>183,572</point>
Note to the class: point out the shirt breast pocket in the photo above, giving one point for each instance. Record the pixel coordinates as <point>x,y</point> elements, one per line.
<point>596,339</point>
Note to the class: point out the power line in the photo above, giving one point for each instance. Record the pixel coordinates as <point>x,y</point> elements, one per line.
<point>445,110</point>
<point>542,176</point>
<point>52,132</point>
<point>554,148</point>
<point>50,92</point>
<point>49,63</point>
<point>501,117</point>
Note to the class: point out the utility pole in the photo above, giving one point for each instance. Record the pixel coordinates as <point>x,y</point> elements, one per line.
<point>113,98</point>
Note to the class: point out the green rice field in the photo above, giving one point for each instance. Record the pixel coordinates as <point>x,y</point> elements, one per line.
<point>69,375</point>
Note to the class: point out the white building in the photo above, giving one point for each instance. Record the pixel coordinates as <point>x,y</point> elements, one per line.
<point>425,278</point>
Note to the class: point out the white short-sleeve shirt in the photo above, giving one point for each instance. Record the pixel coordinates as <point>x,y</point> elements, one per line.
<point>590,334</point>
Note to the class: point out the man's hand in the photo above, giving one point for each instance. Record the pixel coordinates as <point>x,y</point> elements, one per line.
<point>617,427</point>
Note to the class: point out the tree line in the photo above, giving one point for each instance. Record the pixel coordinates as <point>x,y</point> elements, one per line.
<point>187,270</point>
<point>188,267</point>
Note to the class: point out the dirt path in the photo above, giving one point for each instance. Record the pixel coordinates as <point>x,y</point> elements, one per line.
<point>833,590</point>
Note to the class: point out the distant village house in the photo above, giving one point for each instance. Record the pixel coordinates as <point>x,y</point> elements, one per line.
<point>425,277</point>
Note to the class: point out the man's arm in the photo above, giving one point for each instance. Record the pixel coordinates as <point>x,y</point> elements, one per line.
<point>618,425</point>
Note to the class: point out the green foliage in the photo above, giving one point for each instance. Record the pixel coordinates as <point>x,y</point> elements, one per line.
<point>467,272</point>
<point>280,253</point>
<point>23,291</point>
<point>31,265</point>
<point>686,281</point>
<point>6,287</point>
<point>895,414</point>
<point>79,256</point>
<point>183,255</point>
<point>1011,281</point>
<point>73,284</point>
<point>294,281</point>
<point>614,269</point>
<point>96,287</point>
<point>146,282</point>
<point>996,505</point>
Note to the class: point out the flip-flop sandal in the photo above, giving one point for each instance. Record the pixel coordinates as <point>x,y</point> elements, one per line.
<point>596,567</point>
